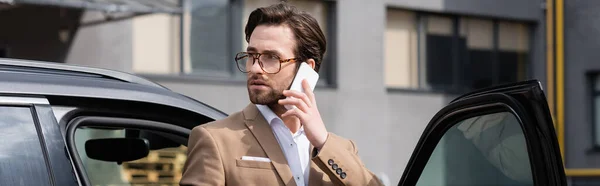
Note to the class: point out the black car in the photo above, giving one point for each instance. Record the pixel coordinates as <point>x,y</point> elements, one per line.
<point>69,125</point>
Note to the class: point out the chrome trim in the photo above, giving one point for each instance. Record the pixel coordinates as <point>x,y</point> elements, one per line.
<point>15,100</point>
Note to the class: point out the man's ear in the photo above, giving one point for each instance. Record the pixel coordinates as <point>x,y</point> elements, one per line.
<point>311,62</point>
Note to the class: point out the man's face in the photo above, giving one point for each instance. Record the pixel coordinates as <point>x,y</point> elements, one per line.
<point>263,88</point>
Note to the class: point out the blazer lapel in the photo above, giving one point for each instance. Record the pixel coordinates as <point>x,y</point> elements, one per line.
<point>263,133</point>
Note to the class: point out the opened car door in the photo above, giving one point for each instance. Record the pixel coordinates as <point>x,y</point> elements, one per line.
<point>498,136</point>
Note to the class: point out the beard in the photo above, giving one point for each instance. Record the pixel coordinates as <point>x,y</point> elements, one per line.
<point>265,97</point>
<point>268,97</point>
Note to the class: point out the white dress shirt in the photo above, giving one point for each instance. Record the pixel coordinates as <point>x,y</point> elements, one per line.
<point>295,147</point>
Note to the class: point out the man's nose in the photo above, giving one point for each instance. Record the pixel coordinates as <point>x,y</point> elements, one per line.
<point>255,68</point>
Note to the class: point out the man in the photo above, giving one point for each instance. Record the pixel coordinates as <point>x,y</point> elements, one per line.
<point>266,144</point>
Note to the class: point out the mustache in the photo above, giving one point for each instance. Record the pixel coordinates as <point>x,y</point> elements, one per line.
<point>257,80</point>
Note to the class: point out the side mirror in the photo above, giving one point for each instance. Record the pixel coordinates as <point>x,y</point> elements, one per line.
<point>117,149</point>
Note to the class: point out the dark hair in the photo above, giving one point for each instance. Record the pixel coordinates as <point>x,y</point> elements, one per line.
<point>310,41</point>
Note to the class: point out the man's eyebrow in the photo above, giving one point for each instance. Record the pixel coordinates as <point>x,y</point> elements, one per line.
<point>252,49</point>
<point>272,52</point>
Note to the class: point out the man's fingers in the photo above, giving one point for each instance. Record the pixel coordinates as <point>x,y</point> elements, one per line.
<point>299,95</point>
<point>308,91</point>
<point>294,112</point>
<point>296,102</point>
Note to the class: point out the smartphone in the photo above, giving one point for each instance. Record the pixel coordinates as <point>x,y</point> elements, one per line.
<point>304,72</point>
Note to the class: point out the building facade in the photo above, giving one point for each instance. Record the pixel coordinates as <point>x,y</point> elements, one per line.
<point>389,67</point>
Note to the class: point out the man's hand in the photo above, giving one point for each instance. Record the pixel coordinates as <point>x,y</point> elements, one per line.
<point>306,110</point>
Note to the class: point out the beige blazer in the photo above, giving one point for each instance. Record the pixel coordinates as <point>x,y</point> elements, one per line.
<point>215,150</point>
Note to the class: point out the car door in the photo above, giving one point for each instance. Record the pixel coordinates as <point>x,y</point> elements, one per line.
<point>502,135</point>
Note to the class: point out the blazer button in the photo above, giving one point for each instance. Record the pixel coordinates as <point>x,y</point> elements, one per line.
<point>334,166</point>
<point>338,171</point>
<point>343,175</point>
<point>330,162</point>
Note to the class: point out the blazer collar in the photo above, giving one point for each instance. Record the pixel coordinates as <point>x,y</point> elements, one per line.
<point>263,133</point>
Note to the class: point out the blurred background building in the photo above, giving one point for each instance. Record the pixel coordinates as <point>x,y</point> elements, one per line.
<point>390,65</point>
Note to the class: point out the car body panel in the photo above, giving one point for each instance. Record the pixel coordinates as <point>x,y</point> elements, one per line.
<point>57,68</point>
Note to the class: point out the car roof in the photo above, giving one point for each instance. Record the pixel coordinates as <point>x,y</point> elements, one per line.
<point>37,78</point>
<point>73,70</point>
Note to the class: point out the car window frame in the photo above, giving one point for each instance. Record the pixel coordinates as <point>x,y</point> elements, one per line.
<point>58,155</point>
<point>33,104</point>
<point>116,122</point>
<point>542,147</point>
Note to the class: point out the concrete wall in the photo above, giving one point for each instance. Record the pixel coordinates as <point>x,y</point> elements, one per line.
<point>143,44</point>
<point>537,69</point>
<point>581,56</point>
<point>107,45</point>
<point>407,115</point>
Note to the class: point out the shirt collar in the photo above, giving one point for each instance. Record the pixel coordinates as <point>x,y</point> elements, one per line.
<point>269,115</point>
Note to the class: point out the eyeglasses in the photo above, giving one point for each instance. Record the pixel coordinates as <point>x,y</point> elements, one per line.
<point>269,63</point>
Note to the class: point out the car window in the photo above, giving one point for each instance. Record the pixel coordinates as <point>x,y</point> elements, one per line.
<point>161,166</point>
<point>480,151</point>
<point>21,156</point>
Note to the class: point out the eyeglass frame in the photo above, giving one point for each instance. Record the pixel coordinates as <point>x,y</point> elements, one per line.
<point>260,63</point>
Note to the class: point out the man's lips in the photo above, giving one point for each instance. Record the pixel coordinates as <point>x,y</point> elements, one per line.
<point>258,84</point>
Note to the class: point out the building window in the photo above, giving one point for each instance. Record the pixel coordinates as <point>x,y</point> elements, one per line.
<point>453,53</point>
<point>208,37</point>
<point>513,51</point>
<point>213,32</point>
<point>596,108</point>
<point>476,54</point>
<point>401,70</point>
<point>439,48</point>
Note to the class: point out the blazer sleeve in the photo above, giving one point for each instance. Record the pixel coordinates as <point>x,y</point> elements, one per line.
<point>204,165</point>
<point>342,164</point>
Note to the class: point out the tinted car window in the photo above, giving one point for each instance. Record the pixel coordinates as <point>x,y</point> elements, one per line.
<point>162,166</point>
<point>21,159</point>
<point>480,151</point>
